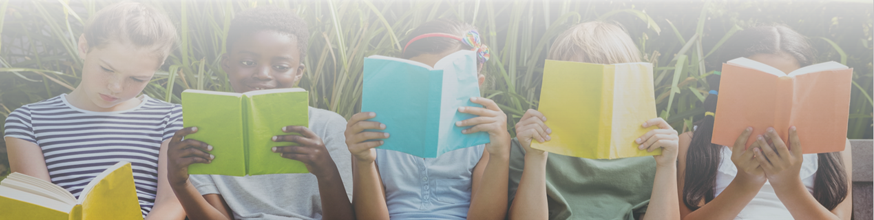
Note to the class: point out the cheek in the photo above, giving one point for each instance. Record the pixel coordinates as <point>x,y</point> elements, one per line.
<point>286,79</point>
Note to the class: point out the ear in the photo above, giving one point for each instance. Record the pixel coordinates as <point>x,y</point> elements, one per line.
<point>82,47</point>
<point>299,74</point>
<point>224,62</point>
<point>480,78</point>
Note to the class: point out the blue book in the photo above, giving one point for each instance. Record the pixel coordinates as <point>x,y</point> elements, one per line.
<point>419,104</point>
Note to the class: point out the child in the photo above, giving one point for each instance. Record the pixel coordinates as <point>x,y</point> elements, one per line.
<point>266,48</point>
<point>565,187</point>
<point>71,138</point>
<point>460,184</point>
<point>736,183</point>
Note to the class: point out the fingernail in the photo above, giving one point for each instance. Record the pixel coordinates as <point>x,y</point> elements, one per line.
<point>386,135</point>
<point>464,131</point>
<point>548,138</point>
<point>749,128</point>
<point>284,129</point>
<point>382,126</point>
<point>472,98</point>
<point>640,147</point>
<point>372,114</point>
<point>761,138</point>
<point>193,128</point>
<point>544,118</point>
<point>273,138</point>
<point>273,149</point>
<point>770,129</point>
<point>792,128</point>
<point>638,141</point>
<point>644,124</point>
<point>458,123</point>
<point>211,156</point>
<point>549,131</point>
<point>209,147</point>
<point>461,109</point>
<point>756,150</point>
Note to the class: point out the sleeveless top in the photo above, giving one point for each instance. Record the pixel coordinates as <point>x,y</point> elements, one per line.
<point>765,205</point>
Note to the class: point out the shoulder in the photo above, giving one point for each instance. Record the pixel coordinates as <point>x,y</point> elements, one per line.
<point>683,148</point>
<point>25,111</point>
<point>152,103</point>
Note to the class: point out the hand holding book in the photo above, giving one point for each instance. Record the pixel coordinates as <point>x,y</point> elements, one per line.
<point>310,150</point>
<point>181,153</point>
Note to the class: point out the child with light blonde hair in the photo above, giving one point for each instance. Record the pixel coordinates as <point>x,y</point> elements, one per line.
<point>544,186</point>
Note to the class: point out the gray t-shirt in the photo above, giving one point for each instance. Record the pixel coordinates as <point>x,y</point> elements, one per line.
<point>284,196</point>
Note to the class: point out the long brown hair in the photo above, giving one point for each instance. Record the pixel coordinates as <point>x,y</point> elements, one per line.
<point>702,158</point>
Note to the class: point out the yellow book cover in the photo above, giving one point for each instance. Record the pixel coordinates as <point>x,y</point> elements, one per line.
<point>110,195</point>
<point>595,111</point>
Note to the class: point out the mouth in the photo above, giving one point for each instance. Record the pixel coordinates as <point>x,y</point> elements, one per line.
<point>108,98</point>
<point>259,87</point>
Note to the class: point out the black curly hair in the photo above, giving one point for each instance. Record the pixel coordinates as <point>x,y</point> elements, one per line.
<point>279,20</point>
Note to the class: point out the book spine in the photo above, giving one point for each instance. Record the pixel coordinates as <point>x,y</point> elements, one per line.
<point>432,130</point>
<point>247,119</point>
<point>783,106</point>
<point>605,125</point>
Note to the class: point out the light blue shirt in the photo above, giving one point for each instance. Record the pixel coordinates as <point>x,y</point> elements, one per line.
<point>428,188</point>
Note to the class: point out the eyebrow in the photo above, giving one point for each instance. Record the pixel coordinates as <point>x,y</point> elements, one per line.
<point>286,58</point>
<point>107,63</point>
<point>113,69</point>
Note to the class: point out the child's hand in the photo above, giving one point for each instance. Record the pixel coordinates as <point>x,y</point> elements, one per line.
<point>531,127</point>
<point>492,120</point>
<point>748,167</point>
<point>356,137</point>
<point>181,153</point>
<point>311,150</point>
<point>664,137</point>
<point>781,165</point>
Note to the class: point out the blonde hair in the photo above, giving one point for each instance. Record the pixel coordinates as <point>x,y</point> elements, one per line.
<point>594,42</point>
<point>134,23</point>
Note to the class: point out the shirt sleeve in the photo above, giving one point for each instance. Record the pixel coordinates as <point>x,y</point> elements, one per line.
<point>203,183</point>
<point>335,142</point>
<point>18,125</point>
<point>517,163</point>
<point>174,122</point>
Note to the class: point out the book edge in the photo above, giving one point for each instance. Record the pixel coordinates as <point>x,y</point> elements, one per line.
<point>98,178</point>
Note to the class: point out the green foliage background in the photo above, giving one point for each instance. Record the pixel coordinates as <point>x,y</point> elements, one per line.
<point>682,39</point>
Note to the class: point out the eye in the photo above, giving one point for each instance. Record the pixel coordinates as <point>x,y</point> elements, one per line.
<point>247,63</point>
<point>105,69</point>
<point>137,80</point>
<point>281,68</point>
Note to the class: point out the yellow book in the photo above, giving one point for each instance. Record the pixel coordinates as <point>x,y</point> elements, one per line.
<point>594,110</point>
<point>110,195</point>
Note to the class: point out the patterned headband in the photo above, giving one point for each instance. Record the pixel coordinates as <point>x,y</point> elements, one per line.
<point>470,39</point>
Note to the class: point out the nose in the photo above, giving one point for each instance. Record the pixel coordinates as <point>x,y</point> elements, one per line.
<point>115,85</point>
<point>263,73</point>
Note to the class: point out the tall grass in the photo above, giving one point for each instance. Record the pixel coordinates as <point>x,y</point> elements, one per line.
<point>38,59</point>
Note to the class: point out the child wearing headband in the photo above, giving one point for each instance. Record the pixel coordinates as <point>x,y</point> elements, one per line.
<point>468,183</point>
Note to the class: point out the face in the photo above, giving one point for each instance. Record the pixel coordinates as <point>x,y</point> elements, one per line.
<point>263,60</point>
<point>782,61</point>
<point>114,74</point>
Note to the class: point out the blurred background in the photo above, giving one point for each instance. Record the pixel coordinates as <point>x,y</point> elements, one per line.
<point>682,39</point>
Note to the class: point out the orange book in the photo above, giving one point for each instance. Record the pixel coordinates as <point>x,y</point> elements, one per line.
<point>815,99</point>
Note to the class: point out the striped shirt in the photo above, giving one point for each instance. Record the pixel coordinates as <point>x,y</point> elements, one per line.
<point>78,144</point>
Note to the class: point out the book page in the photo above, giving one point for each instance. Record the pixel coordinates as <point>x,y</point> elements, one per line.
<point>267,114</point>
<point>819,67</point>
<point>402,60</point>
<point>747,98</point>
<point>113,196</point>
<point>37,186</point>
<point>748,63</point>
<point>460,83</point>
<point>633,104</point>
<point>219,120</point>
<point>820,110</point>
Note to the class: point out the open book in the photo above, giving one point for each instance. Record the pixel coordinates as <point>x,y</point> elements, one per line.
<point>110,195</point>
<point>815,99</point>
<point>595,110</point>
<point>419,104</point>
<point>240,127</point>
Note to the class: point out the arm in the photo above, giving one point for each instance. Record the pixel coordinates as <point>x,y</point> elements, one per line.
<point>313,153</point>
<point>663,203</point>
<point>745,185</point>
<point>180,155</point>
<point>782,167</point>
<point>489,182</point>
<point>166,205</point>
<point>368,193</point>
<point>26,157</point>
<point>530,201</point>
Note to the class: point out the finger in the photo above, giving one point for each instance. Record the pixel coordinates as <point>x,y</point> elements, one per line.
<point>655,135</point>
<point>477,111</point>
<point>661,123</point>
<point>302,130</point>
<point>294,150</point>
<point>532,113</point>
<point>767,150</point>
<point>362,125</point>
<point>367,145</point>
<point>537,121</point>
<point>658,144</point>
<point>794,142</point>
<point>199,145</point>
<point>361,116</point>
<point>181,133</point>
<point>192,160</point>
<point>478,128</point>
<point>305,158</point>
<point>192,152</point>
<point>763,161</point>
<point>487,103</point>
<point>296,139</point>
<point>779,145</point>
<point>474,121</point>
<point>368,135</point>
<point>741,142</point>
<point>649,134</point>
<point>536,132</point>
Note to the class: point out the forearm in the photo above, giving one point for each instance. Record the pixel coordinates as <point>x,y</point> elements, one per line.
<point>664,203</point>
<point>800,203</point>
<point>530,201</point>
<point>335,202</point>
<point>729,203</point>
<point>492,188</point>
<point>368,196</point>
<point>195,206</point>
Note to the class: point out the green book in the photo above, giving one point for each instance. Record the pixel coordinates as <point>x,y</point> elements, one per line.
<point>240,127</point>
